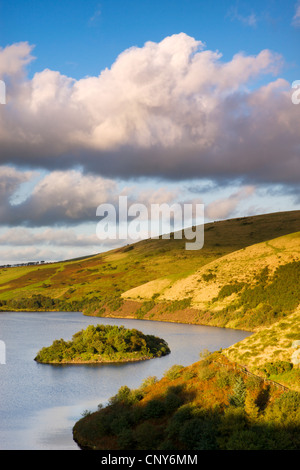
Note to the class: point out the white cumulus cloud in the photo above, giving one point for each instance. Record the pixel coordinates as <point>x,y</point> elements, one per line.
<point>171,109</point>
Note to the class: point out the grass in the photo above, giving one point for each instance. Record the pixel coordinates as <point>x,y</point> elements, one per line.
<point>268,345</point>
<point>264,278</point>
<point>123,269</point>
<point>166,282</point>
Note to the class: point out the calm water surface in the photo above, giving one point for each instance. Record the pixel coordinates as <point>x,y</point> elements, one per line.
<point>40,403</point>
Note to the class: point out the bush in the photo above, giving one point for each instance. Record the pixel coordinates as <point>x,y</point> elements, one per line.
<point>147,436</point>
<point>198,434</point>
<point>229,289</point>
<point>154,409</point>
<point>184,413</point>
<point>102,343</point>
<point>120,423</point>
<point>173,399</point>
<point>179,304</point>
<point>126,439</point>
<point>223,379</point>
<point>144,309</point>
<point>151,380</point>
<point>174,372</point>
<point>276,368</point>
<point>285,410</point>
<point>123,396</point>
<point>205,373</point>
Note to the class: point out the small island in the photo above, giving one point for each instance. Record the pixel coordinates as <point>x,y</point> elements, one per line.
<point>103,344</point>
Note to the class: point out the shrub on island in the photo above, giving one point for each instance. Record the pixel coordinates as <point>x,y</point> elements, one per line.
<point>104,343</point>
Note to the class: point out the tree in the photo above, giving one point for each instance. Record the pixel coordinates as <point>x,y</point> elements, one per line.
<point>251,408</point>
<point>239,393</point>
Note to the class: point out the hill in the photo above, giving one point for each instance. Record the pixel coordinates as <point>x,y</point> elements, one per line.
<point>210,405</point>
<point>246,276</point>
<point>245,289</point>
<point>101,284</point>
<point>273,351</point>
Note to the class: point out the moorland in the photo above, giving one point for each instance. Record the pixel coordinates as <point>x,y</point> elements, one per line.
<point>246,276</point>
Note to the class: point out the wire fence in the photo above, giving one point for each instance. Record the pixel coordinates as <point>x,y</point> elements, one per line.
<point>245,371</point>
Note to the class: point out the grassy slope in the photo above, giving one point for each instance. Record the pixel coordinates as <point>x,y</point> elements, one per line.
<point>204,285</point>
<point>271,344</point>
<point>210,405</point>
<point>273,339</point>
<point>121,270</point>
<point>233,249</point>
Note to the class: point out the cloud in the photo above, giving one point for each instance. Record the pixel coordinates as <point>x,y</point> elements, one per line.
<point>225,207</point>
<point>95,15</point>
<point>64,198</point>
<point>292,191</point>
<point>172,110</point>
<point>296,17</point>
<point>22,244</point>
<point>248,20</point>
<point>14,58</point>
<point>35,253</point>
<point>60,197</point>
<point>20,236</point>
<point>10,181</point>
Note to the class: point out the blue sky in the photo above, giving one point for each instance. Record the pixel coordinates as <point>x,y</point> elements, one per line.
<point>160,100</point>
<point>81,38</point>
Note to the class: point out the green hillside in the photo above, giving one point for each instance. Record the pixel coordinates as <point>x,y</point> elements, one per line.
<point>246,276</point>
<point>248,288</point>
<point>98,284</point>
<point>273,351</point>
<point>210,405</point>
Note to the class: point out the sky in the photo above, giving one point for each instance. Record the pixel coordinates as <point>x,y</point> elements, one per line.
<point>161,101</point>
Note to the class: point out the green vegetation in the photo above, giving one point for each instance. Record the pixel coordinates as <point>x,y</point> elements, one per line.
<point>178,304</point>
<point>270,351</point>
<point>276,368</point>
<point>280,293</point>
<point>248,288</point>
<point>229,289</point>
<point>207,406</point>
<point>144,309</point>
<point>269,299</point>
<point>104,343</point>
<point>97,284</point>
<point>246,276</point>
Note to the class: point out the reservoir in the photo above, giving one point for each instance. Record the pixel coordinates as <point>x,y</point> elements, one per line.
<point>40,403</point>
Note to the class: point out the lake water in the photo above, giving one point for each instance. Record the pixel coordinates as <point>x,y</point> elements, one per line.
<point>40,403</point>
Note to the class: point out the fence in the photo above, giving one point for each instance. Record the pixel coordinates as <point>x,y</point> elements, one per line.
<point>245,371</point>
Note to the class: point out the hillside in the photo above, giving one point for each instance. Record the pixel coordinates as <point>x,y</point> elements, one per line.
<point>101,284</point>
<point>210,405</point>
<point>248,288</point>
<point>273,351</point>
<point>246,276</point>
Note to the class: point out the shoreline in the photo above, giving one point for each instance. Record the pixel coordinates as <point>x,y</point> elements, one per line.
<point>132,317</point>
<point>118,361</point>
